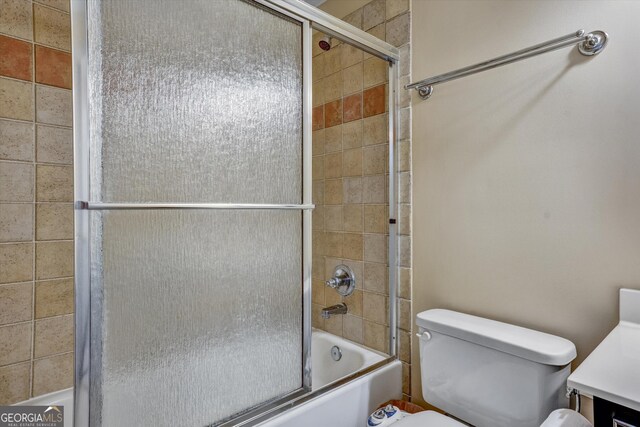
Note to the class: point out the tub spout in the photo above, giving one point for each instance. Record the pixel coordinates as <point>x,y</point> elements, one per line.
<point>327,312</point>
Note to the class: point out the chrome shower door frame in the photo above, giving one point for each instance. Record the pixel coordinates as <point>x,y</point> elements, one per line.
<point>310,18</point>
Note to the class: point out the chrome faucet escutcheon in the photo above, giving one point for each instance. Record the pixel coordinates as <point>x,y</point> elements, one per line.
<point>343,280</point>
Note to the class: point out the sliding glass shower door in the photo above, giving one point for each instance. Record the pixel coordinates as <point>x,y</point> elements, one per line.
<point>193,225</point>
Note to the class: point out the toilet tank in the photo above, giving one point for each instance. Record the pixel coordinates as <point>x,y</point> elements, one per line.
<point>491,374</point>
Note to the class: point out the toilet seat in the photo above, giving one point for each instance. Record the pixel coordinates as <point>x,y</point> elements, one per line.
<point>428,419</point>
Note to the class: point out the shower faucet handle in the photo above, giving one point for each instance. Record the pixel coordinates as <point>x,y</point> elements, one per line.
<point>343,280</point>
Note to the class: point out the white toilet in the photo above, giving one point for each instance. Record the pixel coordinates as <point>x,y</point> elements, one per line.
<point>488,373</point>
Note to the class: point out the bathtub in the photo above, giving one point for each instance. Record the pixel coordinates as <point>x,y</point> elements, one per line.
<point>346,406</point>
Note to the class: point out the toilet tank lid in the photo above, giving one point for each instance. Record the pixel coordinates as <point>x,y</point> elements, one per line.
<point>522,342</point>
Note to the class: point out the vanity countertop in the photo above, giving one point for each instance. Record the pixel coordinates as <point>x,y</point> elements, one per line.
<point>612,370</point>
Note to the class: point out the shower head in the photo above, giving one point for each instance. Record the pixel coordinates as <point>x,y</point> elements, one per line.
<point>325,43</point>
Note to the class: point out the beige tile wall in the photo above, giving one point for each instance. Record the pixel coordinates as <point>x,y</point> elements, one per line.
<point>350,176</point>
<point>36,194</point>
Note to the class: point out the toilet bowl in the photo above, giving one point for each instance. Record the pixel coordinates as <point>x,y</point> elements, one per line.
<point>489,373</point>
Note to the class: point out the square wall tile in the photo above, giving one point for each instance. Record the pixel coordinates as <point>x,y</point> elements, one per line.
<point>333,192</point>
<point>53,335</point>
<point>404,251</point>
<point>352,328</point>
<point>15,58</point>
<point>16,99</point>
<point>333,139</point>
<point>374,189</point>
<point>404,219</point>
<point>54,183</point>
<point>375,248</point>
<point>376,336</point>
<point>352,79</point>
<point>14,383</point>
<point>16,140</point>
<point>333,60</point>
<point>404,314</point>
<point>334,244</point>
<point>15,302</point>
<point>51,27</point>
<point>375,219</point>
<point>375,130</point>
<point>16,262</point>
<point>352,134</point>
<point>375,159</point>
<point>16,18</point>
<point>332,87</point>
<point>351,55</point>
<point>16,222</point>
<point>352,190</point>
<point>375,72</point>
<point>404,156</point>
<point>333,113</point>
<point>333,218</point>
<point>353,218</point>
<point>376,278</point>
<point>16,182</point>
<point>352,162</point>
<point>53,67</point>
<point>404,346</point>
<point>352,109</point>
<point>375,308</point>
<point>54,297</point>
<point>333,165</point>
<point>54,145</point>
<point>52,373</point>
<point>54,106</point>
<point>54,221</point>
<point>405,60</point>
<point>352,246</point>
<point>374,101</point>
<point>15,343</point>
<point>404,282</point>
<point>54,259</point>
<point>399,30</point>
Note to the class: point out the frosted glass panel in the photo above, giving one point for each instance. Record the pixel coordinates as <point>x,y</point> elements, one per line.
<point>200,314</point>
<point>194,101</point>
<point>196,315</point>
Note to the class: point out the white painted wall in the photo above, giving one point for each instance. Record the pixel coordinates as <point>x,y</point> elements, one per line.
<point>526,187</point>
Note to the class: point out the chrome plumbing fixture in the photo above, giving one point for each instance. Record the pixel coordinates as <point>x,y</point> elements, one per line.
<point>343,280</point>
<point>336,353</point>
<point>588,44</point>
<point>327,312</point>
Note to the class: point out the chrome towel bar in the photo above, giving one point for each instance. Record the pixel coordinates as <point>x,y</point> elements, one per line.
<point>96,206</point>
<point>588,44</point>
